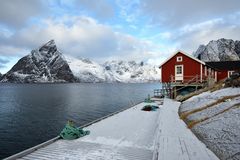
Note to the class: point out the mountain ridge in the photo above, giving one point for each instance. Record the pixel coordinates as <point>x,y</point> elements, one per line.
<point>47,64</point>
<point>219,50</point>
<point>113,71</point>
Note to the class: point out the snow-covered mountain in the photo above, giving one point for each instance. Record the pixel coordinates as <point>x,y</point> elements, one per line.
<point>113,71</point>
<point>44,64</point>
<point>85,70</point>
<point>131,71</point>
<point>219,50</point>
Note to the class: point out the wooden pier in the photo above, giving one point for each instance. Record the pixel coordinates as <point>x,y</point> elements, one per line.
<point>130,135</point>
<point>175,88</point>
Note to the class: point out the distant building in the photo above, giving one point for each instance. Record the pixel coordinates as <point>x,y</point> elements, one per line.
<point>225,68</point>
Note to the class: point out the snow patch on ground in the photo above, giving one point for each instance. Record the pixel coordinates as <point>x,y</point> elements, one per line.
<point>221,130</point>
<point>222,134</point>
<point>132,128</point>
<point>206,98</point>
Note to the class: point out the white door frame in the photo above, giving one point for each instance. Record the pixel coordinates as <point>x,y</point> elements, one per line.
<point>178,77</point>
<point>230,73</point>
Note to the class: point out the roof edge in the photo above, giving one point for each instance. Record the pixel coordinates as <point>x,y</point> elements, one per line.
<point>160,66</point>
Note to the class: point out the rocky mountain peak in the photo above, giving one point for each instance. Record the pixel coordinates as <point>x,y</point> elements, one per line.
<point>219,50</point>
<point>48,48</point>
<point>44,64</point>
<point>46,51</point>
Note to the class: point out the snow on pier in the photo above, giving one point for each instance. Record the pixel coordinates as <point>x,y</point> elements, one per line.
<point>174,140</point>
<point>132,135</point>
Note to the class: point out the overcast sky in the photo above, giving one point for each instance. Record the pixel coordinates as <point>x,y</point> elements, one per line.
<point>148,30</point>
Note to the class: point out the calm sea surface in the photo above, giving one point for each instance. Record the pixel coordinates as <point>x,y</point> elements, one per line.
<point>33,113</point>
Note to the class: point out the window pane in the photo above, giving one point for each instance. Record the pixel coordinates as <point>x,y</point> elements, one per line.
<point>179,59</point>
<point>179,70</point>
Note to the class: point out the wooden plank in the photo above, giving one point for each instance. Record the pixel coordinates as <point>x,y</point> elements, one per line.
<point>176,140</point>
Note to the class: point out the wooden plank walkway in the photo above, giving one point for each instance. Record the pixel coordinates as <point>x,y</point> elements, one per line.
<point>174,141</point>
<point>88,151</point>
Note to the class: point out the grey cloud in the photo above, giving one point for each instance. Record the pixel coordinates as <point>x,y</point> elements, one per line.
<point>175,13</point>
<point>190,41</point>
<point>15,13</point>
<point>100,8</point>
<point>85,38</point>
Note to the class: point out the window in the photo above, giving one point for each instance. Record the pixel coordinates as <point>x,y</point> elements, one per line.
<point>179,73</point>
<point>179,70</point>
<point>230,73</point>
<point>179,59</point>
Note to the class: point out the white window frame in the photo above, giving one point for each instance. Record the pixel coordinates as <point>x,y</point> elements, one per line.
<point>179,77</point>
<point>230,73</point>
<point>179,58</point>
<point>209,72</point>
<point>215,76</point>
<point>205,70</point>
<point>180,67</point>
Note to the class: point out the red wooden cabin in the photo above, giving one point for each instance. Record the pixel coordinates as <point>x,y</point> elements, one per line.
<point>225,68</point>
<point>184,68</point>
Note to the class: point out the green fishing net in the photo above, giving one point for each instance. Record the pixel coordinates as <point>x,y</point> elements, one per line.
<point>70,132</point>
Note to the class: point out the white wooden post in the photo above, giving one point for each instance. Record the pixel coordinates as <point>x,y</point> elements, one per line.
<point>201,70</point>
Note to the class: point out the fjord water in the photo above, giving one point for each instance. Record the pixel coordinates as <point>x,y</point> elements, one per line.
<point>33,113</point>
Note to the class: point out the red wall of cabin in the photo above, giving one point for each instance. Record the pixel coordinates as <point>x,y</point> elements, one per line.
<point>222,75</point>
<point>190,67</point>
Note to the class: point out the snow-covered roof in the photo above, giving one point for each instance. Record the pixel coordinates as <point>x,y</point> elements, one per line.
<point>179,51</point>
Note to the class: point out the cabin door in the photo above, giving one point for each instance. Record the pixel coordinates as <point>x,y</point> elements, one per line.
<point>179,73</point>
